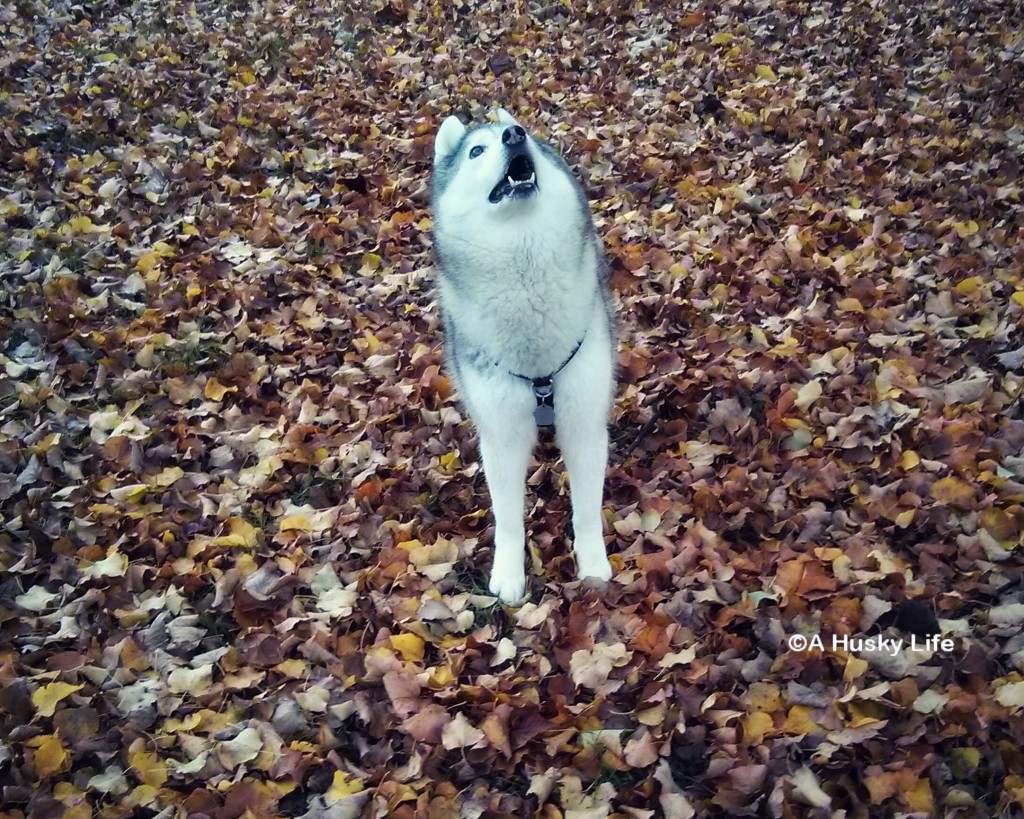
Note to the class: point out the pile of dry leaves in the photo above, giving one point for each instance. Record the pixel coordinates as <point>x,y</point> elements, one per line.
<point>243,530</point>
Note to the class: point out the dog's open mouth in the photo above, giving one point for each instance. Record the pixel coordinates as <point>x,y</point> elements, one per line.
<point>520,180</point>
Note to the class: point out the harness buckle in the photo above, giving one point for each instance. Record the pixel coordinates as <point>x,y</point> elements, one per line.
<point>544,412</point>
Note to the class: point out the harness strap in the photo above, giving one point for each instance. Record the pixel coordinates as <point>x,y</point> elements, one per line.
<point>544,390</point>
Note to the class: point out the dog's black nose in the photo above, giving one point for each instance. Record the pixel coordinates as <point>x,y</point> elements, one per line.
<point>513,135</point>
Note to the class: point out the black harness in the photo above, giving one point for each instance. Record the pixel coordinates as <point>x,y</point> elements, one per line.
<point>544,389</point>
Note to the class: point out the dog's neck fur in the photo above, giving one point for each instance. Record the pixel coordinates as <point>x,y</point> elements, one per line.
<point>526,266</point>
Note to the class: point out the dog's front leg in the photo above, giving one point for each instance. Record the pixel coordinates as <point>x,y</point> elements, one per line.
<point>505,447</point>
<point>584,444</point>
<point>582,405</point>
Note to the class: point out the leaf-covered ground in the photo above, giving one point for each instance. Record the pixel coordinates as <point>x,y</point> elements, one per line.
<point>243,531</point>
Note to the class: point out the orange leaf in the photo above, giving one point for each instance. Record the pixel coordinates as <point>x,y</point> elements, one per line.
<point>369,490</point>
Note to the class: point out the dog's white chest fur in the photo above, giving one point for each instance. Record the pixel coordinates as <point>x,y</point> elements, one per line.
<point>526,297</point>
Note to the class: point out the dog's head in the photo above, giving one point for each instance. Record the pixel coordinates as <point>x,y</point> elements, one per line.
<point>493,168</point>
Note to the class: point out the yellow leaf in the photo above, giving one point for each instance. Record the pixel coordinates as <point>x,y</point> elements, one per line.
<point>300,521</point>
<point>855,667</point>
<point>247,77</point>
<point>296,669</point>
<point>850,305</point>
<point>865,713</point>
<point>765,72</point>
<point>168,475</point>
<point>216,391</point>
<point>410,646</point>
<point>133,493</point>
<point>909,460</point>
<point>798,721</point>
<point>1000,524</point>
<point>240,533</point>
<point>370,262</point>
<point>965,758</point>
<point>953,491</point>
<point>965,229</point>
<point>149,768</point>
<point>904,518</point>
<point>969,285</point>
<point>1018,298</point>
<point>372,342</point>
<point>441,676</point>
<point>808,394</point>
<point>81,224</point>
<point>764,696</point>
<point>450,462</point>
<point>722,38</point>
<point>75,800</point>
<point>304,747</point>
<point>341,786</point>
<point>142,795</point>
<point>46,697</point>
<point>50,757</point>
<point>109,57</point>
<point>189,723</point>
<point>147,261</point>
<point>756,725</point>
<point>919,798</point>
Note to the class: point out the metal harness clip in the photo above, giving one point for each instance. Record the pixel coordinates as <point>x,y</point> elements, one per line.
<point>544,413</point>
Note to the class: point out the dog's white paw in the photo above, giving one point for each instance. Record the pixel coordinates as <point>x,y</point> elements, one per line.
<point>593,566</point>
<point>508,585</point>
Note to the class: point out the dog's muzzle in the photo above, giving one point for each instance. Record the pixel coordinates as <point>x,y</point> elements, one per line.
<point>520,179</point>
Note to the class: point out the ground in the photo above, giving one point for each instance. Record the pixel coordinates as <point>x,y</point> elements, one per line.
<point>244,535</point>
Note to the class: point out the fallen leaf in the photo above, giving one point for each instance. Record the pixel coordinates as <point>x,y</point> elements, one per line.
<point>342,785</point>
<point>50,757</point>
<point>46,697</point>
<point>590,668</point>
<point>147,766</point>
<point>460,733</point>
<point>953,491</point>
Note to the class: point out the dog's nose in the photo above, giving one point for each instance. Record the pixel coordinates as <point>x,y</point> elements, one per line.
<point>513,135</point>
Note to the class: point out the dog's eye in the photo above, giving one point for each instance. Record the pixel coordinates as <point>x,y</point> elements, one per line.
<point>475,151</point>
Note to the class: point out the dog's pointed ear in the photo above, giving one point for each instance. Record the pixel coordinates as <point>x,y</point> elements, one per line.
<point>448,137</point>
<point>504,117</point>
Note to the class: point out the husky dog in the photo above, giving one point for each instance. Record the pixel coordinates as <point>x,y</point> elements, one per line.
<point>525,307</point>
